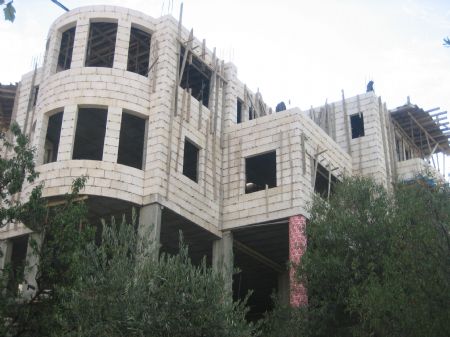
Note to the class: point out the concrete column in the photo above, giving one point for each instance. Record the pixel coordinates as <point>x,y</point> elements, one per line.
<point>80,43</point>
<point>31,265</point>
<point>112,135</point>
<point>283,288</point>
<point>68,128</point>
<point>5,253</point>
<point>223,260</point>
<point>297,246</point>
<point>122,43</point>
<point>150,225</point>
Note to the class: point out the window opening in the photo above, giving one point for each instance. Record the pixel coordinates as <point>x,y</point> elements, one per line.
<point>196,76</point>
<point>131,141</point>
<point>239,111</point>
<point>251,113</point>
<point>138,51</point>
<point>52,137</point>
<point>90,134</point>
<point>260,170</point>
<point>35,95</point>
<point>321,182</point>
<point>101,44</point>
<point>17,263</point>
<point>66,50</point>
<point>357,122</point>
<point>190,160</point>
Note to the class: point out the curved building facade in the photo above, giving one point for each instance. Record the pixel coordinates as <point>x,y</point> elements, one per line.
<point>159,123</point>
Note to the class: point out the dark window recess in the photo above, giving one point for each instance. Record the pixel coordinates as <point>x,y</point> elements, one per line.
<point>321,183</point>
<point>17,264</point>
<point>260,170</point>
<point>66,49</point>
<point>357,122</point>
<point>90,134</point>
<point>251,113</point>
<point>239,111</point>
<point>101,44</point>
<point>35,95</point>
<point>131,141</point>
<point>190,160</point>
<point>138,51</point>
<point>52,137</point>
<point>196,76</point>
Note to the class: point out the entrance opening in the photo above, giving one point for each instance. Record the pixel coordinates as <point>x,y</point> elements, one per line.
<point>261,254</point>
<point>90,134</point>
<point>101,44</point>
<point>260,170</point>
<point>18,258</point>
<point>138,51</point>
<point>190,160</point>
<point>52,137</point>
<point>66,49</point>
<point>196,76</point>
<point>131,141</point>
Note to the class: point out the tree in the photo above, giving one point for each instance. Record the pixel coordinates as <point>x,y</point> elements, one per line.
<point>9,11</point>
<point>124,290</point>
<point>377,263</point>
<point>58,255</point>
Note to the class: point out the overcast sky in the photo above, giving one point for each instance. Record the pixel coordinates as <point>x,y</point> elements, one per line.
<point>302,51</point>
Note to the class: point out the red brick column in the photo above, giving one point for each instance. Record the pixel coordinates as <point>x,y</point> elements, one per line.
<point>297,246</point>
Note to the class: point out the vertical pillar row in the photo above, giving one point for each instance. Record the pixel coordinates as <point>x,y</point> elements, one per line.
<point>297,246</point>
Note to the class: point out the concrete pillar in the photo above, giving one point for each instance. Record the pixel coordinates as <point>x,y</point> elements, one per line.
<point>31,265</point>
<point>122,42</point>
<point>68,128</point>
<point>5,253</point>
<point>150,225</point>
<point>297,246</point>
<point>223,260</point>
<point>112,134</point>
<point>283,288</point>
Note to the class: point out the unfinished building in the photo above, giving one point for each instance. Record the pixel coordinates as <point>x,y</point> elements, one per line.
<point>158,122</point>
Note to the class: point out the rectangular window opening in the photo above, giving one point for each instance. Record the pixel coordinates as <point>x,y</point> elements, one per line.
<point>321,182</point>
<point>190,160</point>
<point>35,95</point>
<point>66,50</point>
<point>251,113</point>
<point>197,77</point>
<point>139,51</point>
<point>52,138</point>
<point>239,111</point>
<point>17,262</point>
<point>260,170</point>
<point>357,123</point>
<point>101,44</point>
<point>131,141</point>
<point>90,134</point>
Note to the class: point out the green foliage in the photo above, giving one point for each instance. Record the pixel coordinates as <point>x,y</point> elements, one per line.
<point>59,255</point>
<point>283,321</point>
<point>124,290</point>
<point>9,11</point>
<point>378,264</point>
